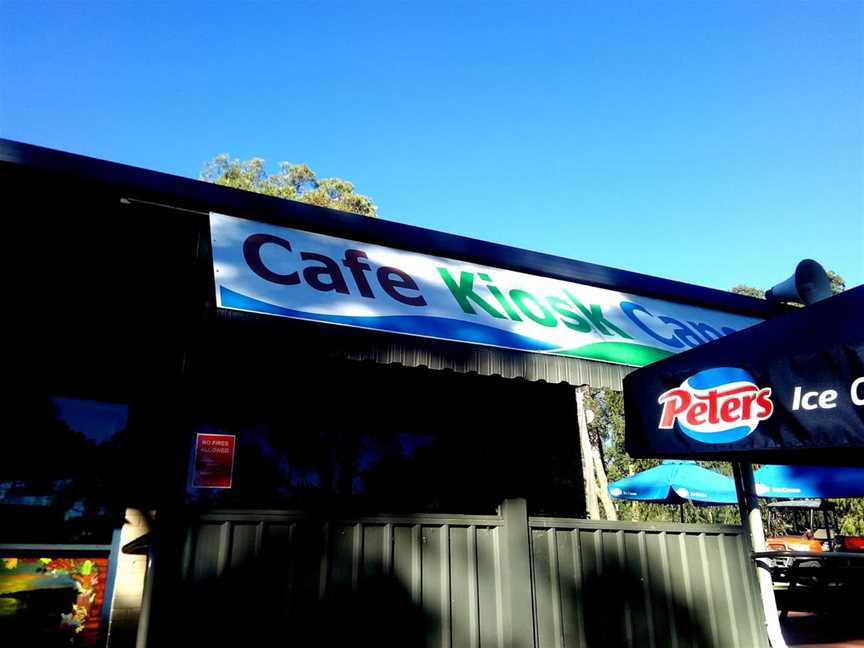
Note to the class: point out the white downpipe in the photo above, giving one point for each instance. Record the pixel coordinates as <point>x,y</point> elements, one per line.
<point>143,635</point>
<point>751,519</point>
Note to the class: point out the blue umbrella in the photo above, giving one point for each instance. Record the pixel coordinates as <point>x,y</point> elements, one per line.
<point>675,482</point>
<point>809,481</point>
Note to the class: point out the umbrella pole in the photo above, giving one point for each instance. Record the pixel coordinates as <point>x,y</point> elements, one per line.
<point>751,520</point>
<point>681,511</point>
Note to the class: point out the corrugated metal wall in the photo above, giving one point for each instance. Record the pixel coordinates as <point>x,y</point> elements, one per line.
<point>658,586</point>
<point>448,567</point>
<point>445,581</point>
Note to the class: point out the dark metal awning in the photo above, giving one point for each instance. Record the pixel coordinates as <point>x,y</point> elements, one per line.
<point>787,391</point>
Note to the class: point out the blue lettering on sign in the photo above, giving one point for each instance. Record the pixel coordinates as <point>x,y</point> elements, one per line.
<point>630,309</point>
<point>691,334</point>
<point>326,276</point>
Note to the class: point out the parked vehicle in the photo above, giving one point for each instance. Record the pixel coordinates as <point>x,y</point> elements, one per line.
<point>807,525</point>
<point>801,525</point>
<point>813,569</point>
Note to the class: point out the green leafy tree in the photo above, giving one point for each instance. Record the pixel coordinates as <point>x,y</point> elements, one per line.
<point>750,291</point>
<point>850,515</point>
<point>838,284</point>
<point>291,181</point>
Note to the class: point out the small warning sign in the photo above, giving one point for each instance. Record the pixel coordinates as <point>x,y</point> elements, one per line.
<point>214,460</point>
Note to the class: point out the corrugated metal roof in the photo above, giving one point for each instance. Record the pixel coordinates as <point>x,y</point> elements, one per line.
<point>496,362</point>
<point>313,340</point>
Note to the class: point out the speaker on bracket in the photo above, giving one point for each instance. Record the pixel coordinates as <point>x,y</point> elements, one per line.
<point>808,284</point>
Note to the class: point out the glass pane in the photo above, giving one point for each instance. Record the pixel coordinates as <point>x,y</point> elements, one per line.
<point>59,470</point>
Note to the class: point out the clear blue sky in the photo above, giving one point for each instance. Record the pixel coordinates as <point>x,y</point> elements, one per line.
<point>709,142</point>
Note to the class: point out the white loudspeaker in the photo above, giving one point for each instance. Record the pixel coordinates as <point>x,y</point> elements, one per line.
<point>808,284</point>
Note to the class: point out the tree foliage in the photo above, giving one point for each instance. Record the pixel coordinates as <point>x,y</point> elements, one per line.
<point>291,181</point>
<point>850,515</point>
<point>607,433</point>
<point>750,291</point>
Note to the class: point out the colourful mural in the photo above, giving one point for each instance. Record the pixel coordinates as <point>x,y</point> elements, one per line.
<point>51,601</point>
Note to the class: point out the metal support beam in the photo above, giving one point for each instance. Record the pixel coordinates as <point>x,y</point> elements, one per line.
<point>516,575</point>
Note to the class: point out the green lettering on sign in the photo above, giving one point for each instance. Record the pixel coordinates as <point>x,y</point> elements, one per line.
<point>596,317</point>
<point>545,318</point>
<point>463,293</point>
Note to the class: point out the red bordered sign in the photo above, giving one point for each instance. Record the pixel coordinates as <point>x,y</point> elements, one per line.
<point>214,460</point>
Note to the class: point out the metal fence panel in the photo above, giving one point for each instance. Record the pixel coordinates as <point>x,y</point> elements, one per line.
<point>440,581</point>
<point>657,585</point>
<point>447,569</point>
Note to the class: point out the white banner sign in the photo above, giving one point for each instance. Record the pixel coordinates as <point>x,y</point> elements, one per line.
<point>262,268</point>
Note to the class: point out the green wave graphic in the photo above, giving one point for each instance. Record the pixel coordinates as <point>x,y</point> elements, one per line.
<point>637,355</point>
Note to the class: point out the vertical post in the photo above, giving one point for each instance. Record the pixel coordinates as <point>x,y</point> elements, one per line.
<point>143,633</point>
<point>751,519</point>
<point>593,507</point>
<point>108,597</point>
<point>516,574</point>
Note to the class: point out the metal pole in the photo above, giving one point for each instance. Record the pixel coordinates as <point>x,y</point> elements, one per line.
<point>143,634</point>
<point>751,520</point>
<point>519,623</point>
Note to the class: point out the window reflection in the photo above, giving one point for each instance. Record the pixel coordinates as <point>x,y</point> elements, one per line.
<point>59,470</point>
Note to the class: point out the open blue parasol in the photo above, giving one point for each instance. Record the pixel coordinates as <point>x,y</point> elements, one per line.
<point>675,482</point>
<point>809,481</point>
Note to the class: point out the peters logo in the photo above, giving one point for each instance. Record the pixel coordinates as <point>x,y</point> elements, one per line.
<point>720,405</point>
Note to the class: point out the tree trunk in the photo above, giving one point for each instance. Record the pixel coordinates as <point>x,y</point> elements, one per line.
<point>593,509</point>
<point>603,483</point>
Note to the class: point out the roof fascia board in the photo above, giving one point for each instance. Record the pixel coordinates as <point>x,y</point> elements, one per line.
<point>186,193</point>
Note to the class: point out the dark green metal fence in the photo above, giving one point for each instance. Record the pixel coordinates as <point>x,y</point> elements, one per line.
<point>507,581</point>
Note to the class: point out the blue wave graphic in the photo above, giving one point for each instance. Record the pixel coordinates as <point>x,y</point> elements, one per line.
<point>726,436</point>
<point>438,327</point>
<point>718,376</point>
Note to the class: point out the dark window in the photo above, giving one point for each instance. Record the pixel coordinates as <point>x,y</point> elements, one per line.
<point>61,470</point>
<point>374,438</point>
